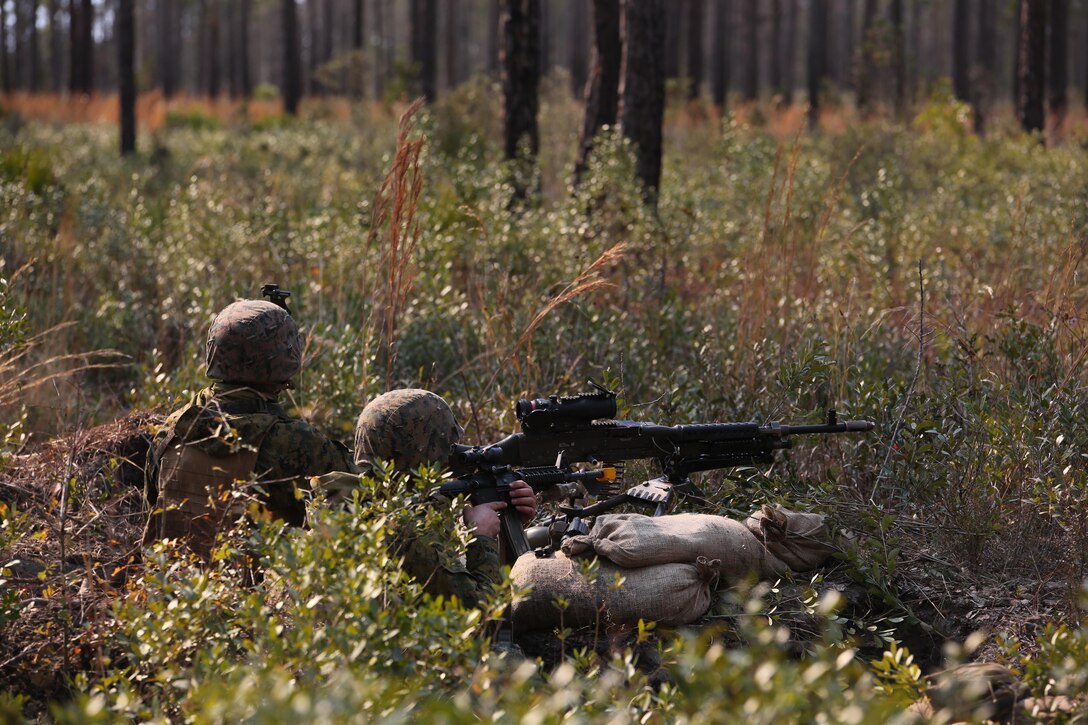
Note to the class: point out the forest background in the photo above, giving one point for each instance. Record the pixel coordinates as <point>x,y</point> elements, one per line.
<point>875,207</point>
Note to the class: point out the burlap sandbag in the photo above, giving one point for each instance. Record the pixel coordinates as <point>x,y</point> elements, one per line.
<point>799,539</point>
<point>670,594</point>
<point>635,540</point>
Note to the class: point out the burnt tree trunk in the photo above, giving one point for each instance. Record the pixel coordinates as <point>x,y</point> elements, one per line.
<point>751,50</point>
<point>519,55</point>
<point>357,18</point>
<point>721,50</point>
<point>1057,75</point>
<point>790,52</point>
<point>75,53</point>
<point>328,35</point>
<point>817,58</point>
<point>602,88</point>
<point>579,45</point>
<point>33,80</point>
<point>424,21</point>
<point>86,46</point>
<point>494,14</point>
<point>865,77</point>
<point>126,52</point>
<point>245,80</point>
<point>642,86</point>
<point>1031,65</point>
<point>210,60</point>
<point>451,21</point>
<point>20,44</point>
<point>776,47</point>
<point>674,19</point>
<point>166,20</point>
<point>849,44</point>
<point>56,66</point>
<point>982,82</point>
<point>5,66</point>
<point>292,58</point>
<point>695,48</point>
<point>961,50</point>
<point>899,50</point>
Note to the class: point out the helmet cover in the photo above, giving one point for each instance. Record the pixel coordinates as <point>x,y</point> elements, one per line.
<point>409,427</point>
<point>254,342</point>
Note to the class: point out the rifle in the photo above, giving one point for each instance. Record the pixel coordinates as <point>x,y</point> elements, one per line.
<point>557,432</point>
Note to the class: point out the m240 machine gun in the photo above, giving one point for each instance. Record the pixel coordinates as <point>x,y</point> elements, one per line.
<point>558,432</point>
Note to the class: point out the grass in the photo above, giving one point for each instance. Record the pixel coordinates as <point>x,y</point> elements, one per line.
<point>909,273</point>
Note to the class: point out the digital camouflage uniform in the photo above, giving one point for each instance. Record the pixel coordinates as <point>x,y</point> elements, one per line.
<point>233,436</point>
<point>412,427</point>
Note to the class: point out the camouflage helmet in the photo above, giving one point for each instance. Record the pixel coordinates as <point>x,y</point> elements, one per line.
<point>254,342</point>
<point>409,427</point>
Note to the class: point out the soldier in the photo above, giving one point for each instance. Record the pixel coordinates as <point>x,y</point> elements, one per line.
<point>235,432</point>
<point>412,427</point>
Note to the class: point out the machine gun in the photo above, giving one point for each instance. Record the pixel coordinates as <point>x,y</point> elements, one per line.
<point>557,432</point>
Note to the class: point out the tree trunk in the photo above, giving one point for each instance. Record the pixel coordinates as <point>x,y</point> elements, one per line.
<point>75,53</point>
<point>695,48</point>
<point>721,50</point>
<point>790,53</point>
<point>579,44</point>
<point>5,66</point>
<point>310,25</point>
<point>168,80</point>
<point>866,63</point>
<point>642,86</point>
<point>245,79</point>
<point>34,60</point>
<point>126,51</point>
<point>358,11</point>
<point>961,50</point>
<point>776,47</point>
<point>985,61</point>
<point>292,58</point>
<point>899,43</point>
<point>214,69</point>
<point>493,32</point>
<point>914,76</point>
<point>1031,65</point>
<point>424,20</point>
<point>328,37</point>
<point>519,55</point>
<point>379,49</point>
<point>86,45</point>
<point>452,45</point>
<point>56,67</point>
<point>544,31</point>
<point>817,58</point>
<point>849,44</point>
<point>1058,67</point>
<point>751,50</point>
<point>602,88</point>
<point>674,14</point>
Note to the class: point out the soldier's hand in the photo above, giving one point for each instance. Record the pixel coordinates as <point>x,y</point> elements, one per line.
<point>524,500</point>
<point>484,518</point>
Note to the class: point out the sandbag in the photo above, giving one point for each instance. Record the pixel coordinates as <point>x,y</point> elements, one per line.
<point>670,594</point>
<point>796,538</point>
<point>635,540</point>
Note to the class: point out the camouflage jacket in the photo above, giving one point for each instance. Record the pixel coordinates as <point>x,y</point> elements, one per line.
<point>428,555</point>
<point>223,418</point>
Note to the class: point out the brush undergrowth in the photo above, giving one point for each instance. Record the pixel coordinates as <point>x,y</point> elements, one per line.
<point>917,276</point>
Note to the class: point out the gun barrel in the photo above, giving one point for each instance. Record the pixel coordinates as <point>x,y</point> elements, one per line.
<point>847,426</point>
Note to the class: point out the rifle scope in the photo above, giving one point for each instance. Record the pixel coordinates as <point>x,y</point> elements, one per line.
<point>553,412</point>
